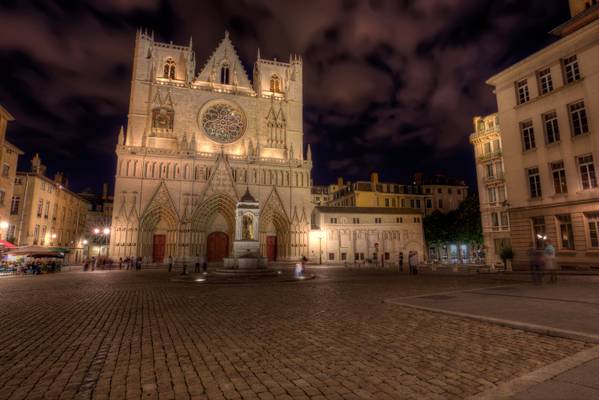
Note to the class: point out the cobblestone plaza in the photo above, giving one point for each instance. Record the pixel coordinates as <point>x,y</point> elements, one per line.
<point>130,335</point>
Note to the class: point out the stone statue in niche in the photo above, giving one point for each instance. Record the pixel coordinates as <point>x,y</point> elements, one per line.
<point>247,232</point>
<point>162,118</point>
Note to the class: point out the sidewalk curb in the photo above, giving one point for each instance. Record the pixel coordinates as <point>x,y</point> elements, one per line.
<point>540,329</point>
<point>543,374</point>
<point>523,383</point>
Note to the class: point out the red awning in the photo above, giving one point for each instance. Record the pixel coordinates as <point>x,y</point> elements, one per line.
<point>7,245</point>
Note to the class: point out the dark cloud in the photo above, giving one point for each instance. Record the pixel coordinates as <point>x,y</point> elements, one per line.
<point>389,85</point>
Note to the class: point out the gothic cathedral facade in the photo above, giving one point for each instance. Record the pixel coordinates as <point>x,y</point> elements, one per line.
<point>195,143</point>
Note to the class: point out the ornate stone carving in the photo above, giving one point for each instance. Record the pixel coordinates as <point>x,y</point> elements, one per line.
<point>222,122</point>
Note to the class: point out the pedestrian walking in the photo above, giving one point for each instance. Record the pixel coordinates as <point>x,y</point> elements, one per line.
<point>413,263</point>
<point>170,263</point>
<point>550,264</point>
<point>197,265</point>
<point>120,262</point>
<point>536,264</point>
<point>204,264</point>
<point>138,264</point>
<point>400,261</point>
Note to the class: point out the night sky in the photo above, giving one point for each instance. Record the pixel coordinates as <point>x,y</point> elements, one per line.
<point>388,85</point>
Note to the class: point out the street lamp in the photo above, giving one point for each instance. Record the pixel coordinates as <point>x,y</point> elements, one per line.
<point>104,233</point>
<point>85,242</point>
<point>320,236</point>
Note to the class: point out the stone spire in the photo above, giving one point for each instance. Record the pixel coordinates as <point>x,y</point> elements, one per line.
<point>121,139</point>
<point>309,153</point>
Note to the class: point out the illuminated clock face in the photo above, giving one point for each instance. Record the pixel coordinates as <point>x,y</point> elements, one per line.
<point>222,122</point>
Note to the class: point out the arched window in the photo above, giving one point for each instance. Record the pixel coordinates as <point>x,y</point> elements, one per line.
<point>275,84</point>
<point>224,74</point>
<point>169,68</point>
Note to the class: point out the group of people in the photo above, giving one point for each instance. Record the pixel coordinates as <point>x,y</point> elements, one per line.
<point>412,262</point>
<point>94,263</point>
<point>200,263</point>
<point>31,266</point>
<point>543,260</point>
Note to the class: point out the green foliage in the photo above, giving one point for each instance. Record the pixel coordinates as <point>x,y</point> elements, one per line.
<point>462,225</point>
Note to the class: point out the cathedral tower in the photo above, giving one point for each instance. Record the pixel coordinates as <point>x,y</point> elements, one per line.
<point>194,142</point>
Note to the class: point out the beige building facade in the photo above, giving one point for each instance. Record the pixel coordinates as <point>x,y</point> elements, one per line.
<point>549,112</point>
<point>492,191</point>
<point>195,142</point>
<point>351,235</point>
<point>44,212</point>
<point>9,157</point>
<point>426,196</point>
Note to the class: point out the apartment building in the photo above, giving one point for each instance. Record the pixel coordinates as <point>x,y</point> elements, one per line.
<point>425,195</point>
<point>45,212</point>
<point>9,156</point>
<point>492,191</point>
<point>548,106</point>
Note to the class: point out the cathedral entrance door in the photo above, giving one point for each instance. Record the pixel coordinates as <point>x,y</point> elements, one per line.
<point>159,248</point>
<point>271,248</point>
<point>217,246</point>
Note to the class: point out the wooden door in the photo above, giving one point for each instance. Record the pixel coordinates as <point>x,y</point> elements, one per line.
<point>159,248</point>
<point>217,246</point>
<point>271,248</point>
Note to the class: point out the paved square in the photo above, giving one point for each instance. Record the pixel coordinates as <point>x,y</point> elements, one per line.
<point>130,335</point>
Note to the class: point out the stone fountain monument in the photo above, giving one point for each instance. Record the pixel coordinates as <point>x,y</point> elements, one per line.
<point>246,247</point>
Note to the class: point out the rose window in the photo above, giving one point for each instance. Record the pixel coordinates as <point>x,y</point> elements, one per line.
<point>223,122</point>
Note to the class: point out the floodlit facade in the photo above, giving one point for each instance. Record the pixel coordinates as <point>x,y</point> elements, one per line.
<point>9,156</point>
<point>195,142</point>
<point>97,219</point>
<point>44,212</point>
<point>425,196</point>
<point>492,191</point>
<point>549,113</point>
<point>348,235</point>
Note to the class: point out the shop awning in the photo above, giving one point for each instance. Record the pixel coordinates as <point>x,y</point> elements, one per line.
<point>35,251</point>
<point>7,245</point>
<point>60,249</point>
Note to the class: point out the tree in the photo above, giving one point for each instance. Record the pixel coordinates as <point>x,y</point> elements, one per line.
<point>462,225</point>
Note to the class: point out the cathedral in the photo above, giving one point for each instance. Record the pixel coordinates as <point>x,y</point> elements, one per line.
<point>198,144</point>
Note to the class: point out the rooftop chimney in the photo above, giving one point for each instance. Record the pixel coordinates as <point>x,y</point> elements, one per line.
<point>105,191</point>
<point>374,178</point>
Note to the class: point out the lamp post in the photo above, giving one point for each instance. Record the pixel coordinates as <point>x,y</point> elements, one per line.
<point>320,235</point>
<point>104,238</point>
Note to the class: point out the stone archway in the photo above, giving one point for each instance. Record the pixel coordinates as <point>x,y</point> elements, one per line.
<point>217,246</point>
<point>274,230</point>
<point>158,233</point>
<point>216,214</point>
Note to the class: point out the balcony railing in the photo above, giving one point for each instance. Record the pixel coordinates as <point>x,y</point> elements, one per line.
<point>494,178</point>
<point>489,156</point>
<point>492,228</point>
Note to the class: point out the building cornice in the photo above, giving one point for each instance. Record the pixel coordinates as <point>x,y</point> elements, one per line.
<point>13,147</point>
<point>52,182</point>
<point>583,38</point>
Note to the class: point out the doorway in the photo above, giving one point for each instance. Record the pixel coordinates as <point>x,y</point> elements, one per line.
<point>159,248</point>
<point>217,246</point>
<point>271,248</point>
